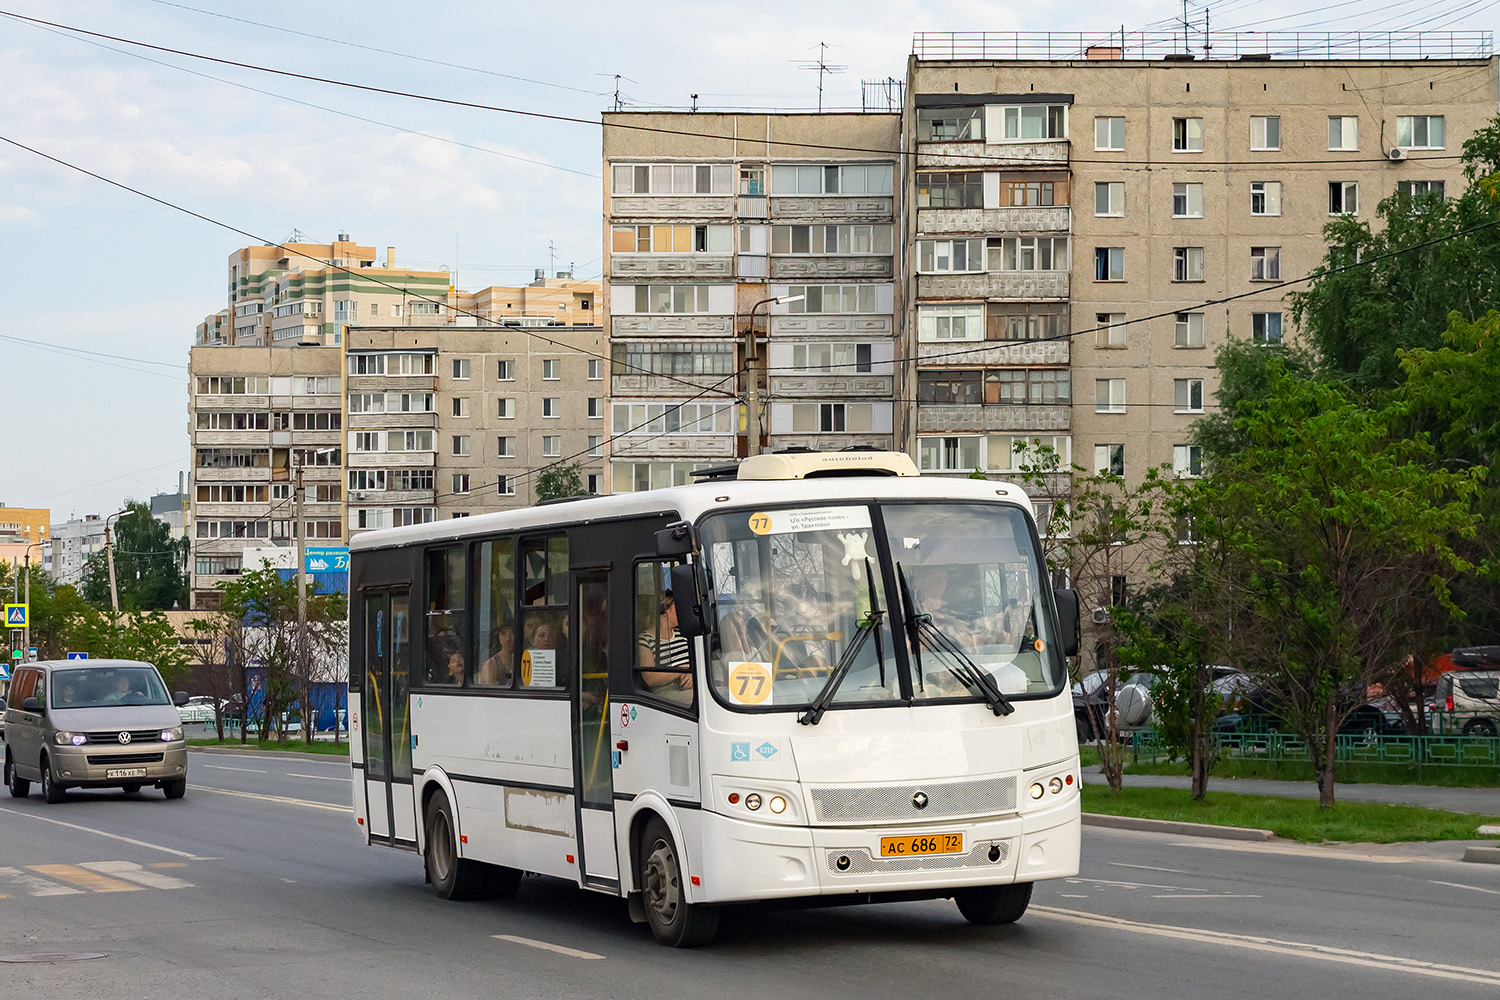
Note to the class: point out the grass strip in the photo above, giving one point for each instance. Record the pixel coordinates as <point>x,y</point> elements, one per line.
<point>1352,773</point>
<point>1294,819</point>
<point>326,747</point>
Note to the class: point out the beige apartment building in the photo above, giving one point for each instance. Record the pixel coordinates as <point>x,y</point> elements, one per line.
<point>703,231</point>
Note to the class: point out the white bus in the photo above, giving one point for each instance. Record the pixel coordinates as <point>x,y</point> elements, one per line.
<point>813,676</point>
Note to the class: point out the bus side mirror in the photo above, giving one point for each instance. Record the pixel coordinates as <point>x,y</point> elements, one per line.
<point>686,599</point>
<point>1068,620</point>
<point>675,541</point>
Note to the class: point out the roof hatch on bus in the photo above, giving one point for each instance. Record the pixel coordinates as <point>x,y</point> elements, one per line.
<point>826,464</point>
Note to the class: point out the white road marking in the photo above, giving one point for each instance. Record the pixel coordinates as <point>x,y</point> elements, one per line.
<point>545,946</point>
<point>319,777</point>
<point>283,800</point>
<point>1460,885</point>
<point>1299,852</point>
<point>1137,885</point>
<point>1072,895</point>
<point>132,872</point>
<point>221,767</point>
<point>1273,946</point>
<point>1210,895</point>
<point>113,836</point>
<point>1150,868</point>
<point>35,885</point>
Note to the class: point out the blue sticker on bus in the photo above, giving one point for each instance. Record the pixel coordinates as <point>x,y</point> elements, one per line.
<point>739,751</point>
<point>767,750</point>
<point>614,759</point>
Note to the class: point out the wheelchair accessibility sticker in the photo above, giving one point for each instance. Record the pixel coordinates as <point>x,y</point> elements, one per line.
<point>741,753</point>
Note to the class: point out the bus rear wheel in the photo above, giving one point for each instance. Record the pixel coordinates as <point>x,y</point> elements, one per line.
<point>452,877</point>
<point>994,904</point>
<point>674,921</point>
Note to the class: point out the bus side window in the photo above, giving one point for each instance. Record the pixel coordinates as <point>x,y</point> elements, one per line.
<point>544,616</point>
<point>495,610</point>
<point>663,664</point>
<point>447,637</point>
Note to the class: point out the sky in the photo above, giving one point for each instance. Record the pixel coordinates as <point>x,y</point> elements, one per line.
<point>102,287</point>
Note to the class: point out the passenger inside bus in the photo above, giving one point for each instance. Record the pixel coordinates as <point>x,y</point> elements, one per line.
<point>496,671</point>
<point>660,646</point>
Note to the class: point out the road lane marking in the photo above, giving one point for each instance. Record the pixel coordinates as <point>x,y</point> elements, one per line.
<point>113,836</point>
<point>35,885</point>
<point>1460,885</point>
<point>1210,895</point>
<point>1273,946</point>
<point>545,946</point>
<point>319,777</point>
<point>133,872</point>
<point>282,800</point>
<point>1299,852</point>
<point>1136,885</point>
<point>221,767</point>
<point>92,881</point>
<point>166,864</point>
<point>1150,868</point>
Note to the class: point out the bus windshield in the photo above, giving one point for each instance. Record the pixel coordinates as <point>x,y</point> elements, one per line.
<point>793,592</point>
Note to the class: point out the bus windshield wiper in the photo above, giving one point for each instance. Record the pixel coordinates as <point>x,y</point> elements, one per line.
<point>920,630</point>
<point>868,625</point>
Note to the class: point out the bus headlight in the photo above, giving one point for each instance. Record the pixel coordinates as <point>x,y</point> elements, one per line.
<point>1055,785</point>
<point>1037,791</point>
<point>777,804</point>
<point>752,801</point>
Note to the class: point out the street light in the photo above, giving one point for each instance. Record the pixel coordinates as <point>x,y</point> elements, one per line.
<point>300,527</point>
<point>752,389</point>
<point>26,632</point>
<point>109,557</point>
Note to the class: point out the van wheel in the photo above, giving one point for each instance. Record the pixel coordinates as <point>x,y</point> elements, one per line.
<point>19,786</point>
<point>1479,727</point>
<point>173,789</point>
<point>994,904</point>
<point>674,921</point>
<point>452,877</point>
<point>51,790</point>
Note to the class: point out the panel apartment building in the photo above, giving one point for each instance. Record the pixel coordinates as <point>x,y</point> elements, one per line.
<point>274,388</point>
<point>703,230</point>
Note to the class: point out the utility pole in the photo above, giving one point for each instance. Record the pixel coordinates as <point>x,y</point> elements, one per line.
<point>752,374</point>
<point>109,557</point>
<point>301,533</point>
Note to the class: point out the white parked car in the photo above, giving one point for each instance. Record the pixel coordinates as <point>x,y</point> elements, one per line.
<point>199,708</point>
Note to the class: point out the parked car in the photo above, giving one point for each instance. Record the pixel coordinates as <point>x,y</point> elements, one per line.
<point>199,708</point>
<point>1470,700</point>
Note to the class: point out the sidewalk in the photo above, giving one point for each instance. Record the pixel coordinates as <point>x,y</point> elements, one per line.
<point>1485,801</point>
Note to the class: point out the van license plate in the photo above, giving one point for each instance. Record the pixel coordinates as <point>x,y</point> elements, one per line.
<point>929,843</point>
<point>125,772</point>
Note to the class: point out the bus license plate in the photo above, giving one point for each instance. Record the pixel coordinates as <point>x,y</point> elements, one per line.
<point>928,843</point>
<point>125,772</point>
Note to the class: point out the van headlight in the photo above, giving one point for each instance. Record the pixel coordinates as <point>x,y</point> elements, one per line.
<point>69,739</point>
<point>168,735</point>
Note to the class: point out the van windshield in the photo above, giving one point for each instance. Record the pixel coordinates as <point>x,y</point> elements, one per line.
<point>101,688</point>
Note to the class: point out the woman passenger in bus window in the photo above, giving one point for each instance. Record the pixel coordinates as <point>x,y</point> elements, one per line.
<point>661,646</point>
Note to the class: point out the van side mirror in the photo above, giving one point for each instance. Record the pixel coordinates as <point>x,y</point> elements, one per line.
<point>31,705</point>
<point>179,698</point>
<point>3,706</point>
<point>687,600</point>
<point>1068,620</point>
<point>675,541</point>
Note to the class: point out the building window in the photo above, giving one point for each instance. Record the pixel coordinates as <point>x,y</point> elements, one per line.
<point>950,124</point>
<point>596,444</point>
<point>954,388</point>
<point>505,486</point>
<point>1419,131</point>
<point>835,358</point>
<point>1111,329</point>
<point>1033,121</point>
<point>848,240</point>
<point>1026,321</point>
<point>1031,253</point>
<point>594,483</point>
<point>596,407</point>
<point>1109,263</point>
<point>551,369</point>
<point>950,454</point>
<point>960,321</point>
<point>460,406</point>
<point>1109,459</point>
<point>1417,189</point>
<point>1265,328</point>
<point>1187,135</point>
<point>753,181</point>
<point>366,441</point>
<point>1189,329</point>
<point>1032,194</point>
<point>1265,263</point>
<point>672,178</point>
<point>1343,197</point>
<point>950,256</point>
<point>1109,133</point>
<point>1265,132</point>
<point>1109,198</point>
<point>551,446</point>
<point>461,368</point>
<point>596,369</point>
<point>672,357</point>
<point>1187,263</point>
<point>1187,460</point>
<point>1187,201</point>
<point>1343,132</point>
<point>1265,197</point>
<point>505,370</point>
<point>1187,395</point>
<point>685,238</point>
<point>813,179</point>
<point>460,444</point>
<point>505,447</point>
<point>1109,395</point>
<point>460,482</point>
<point>671,299</point>
<point>505,409</point>
<point>552,406</point>
<point>951,190</point>
<point>842,298</point>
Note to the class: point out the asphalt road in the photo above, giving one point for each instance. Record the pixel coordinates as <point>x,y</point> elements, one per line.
<point>255,885</point>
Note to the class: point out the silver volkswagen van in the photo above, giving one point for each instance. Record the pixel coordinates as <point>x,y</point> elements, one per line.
<point>93,724</point>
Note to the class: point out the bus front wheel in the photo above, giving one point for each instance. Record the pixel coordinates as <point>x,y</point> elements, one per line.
<point>452,877</point>
<point>994,904</point>
<point>674,921</point>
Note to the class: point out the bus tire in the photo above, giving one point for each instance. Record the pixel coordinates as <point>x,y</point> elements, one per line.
<point>452,877</point>
<point>994,904</point>
<point>674,921</point>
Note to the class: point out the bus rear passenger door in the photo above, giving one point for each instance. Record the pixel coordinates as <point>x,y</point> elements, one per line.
<point>593,750</point>
<point>386,710</point>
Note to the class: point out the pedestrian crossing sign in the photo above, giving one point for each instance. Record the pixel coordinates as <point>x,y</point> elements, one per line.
<point>15,615</point>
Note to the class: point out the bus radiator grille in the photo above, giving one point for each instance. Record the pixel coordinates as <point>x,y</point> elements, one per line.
<point>860,861</point>
<point>945,800</point>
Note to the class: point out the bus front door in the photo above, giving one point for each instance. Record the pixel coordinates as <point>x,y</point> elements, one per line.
<point>592,750</point>
<point>387,719</point>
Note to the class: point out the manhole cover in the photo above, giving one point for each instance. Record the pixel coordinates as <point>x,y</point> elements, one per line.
<point>52,956</point>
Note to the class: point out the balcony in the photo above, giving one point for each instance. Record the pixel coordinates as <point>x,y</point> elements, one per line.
<point>204,474</point>
<point>390,383</point>
<point>822,267</point>
<point>1021,285</point>
<point>933,418</point>
<point>975,155</point>
<point>671,265</point>
<point>997,352</point>
<point>671,207</point>
<point>802,324</point>
<point>671,326</point>
<point>391,498</point>
<point>232,439</point>
<point>994,221</point>
<point>390,459</point>
<point>673,446</point>
<point>864,387</point>
<point>666,385</point>
<point>855,208</point>
<point>361,421</point>
<point>832,442</point>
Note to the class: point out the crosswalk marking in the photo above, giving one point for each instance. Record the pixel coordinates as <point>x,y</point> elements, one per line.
<point>135,873</point>
<point>35,885</point>
<point>92,881</point>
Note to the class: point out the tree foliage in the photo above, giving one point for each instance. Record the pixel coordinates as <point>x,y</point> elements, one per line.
<point>139,635</point>
<point>558,481</point>
<point>150,564</point>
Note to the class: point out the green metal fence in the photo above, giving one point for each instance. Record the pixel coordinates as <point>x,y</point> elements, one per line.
<point>1436,751</point>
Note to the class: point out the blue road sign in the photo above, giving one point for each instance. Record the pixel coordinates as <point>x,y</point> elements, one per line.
<point>15,615</point>
<point>326,559</point>
<point>4,672</point>
<point>78,656</point>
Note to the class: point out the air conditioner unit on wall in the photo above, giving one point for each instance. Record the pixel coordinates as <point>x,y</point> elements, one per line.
<point>1101,616</point>
<point>1396,154</point>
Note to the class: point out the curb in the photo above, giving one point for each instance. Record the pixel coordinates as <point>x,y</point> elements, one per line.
<point>1181,829</point>
<point>1483,855</point>
<point>250,751</point>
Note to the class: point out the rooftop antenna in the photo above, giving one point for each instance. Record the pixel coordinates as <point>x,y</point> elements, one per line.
<point>618,101</point>
<point>824,67</point>
<point>552,256</point>
<point>695,101</point>
<point>1185,49</point>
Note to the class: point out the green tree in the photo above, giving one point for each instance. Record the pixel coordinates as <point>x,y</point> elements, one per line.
<point>559,480</point>
<point>141,635</point>
<point>1336,526</point>
<point>150,564</point>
